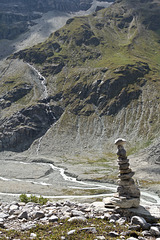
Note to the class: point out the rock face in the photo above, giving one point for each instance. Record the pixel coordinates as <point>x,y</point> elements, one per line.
<point>128,194</point>
<point>31,122</point>
<point>43,6</point>
<point>17,16</point>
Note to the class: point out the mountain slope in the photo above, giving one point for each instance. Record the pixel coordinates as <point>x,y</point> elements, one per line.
<point>102,79</point>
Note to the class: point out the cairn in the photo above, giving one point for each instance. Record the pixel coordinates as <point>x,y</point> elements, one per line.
<point>128,194</point>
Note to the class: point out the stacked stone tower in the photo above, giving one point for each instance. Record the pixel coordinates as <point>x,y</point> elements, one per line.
<point>128,194</point>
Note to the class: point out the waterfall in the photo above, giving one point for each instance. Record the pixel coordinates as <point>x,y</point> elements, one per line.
<point>45,96</point>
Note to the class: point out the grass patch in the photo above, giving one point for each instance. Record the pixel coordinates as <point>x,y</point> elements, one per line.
<point>61,228</point>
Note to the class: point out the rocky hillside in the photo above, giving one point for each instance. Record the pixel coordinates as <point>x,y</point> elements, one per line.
<point>99,80</point>
<point>18,15</point>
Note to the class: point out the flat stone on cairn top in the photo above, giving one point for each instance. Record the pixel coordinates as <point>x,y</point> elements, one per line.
<point>128,194</point>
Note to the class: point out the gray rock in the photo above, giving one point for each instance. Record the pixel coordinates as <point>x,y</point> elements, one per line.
<point>14,212</point>
<point>146,233</point>
<point>150,213</point>
<point>134,227</point>
<point>154,230</point>
<point>126,176</point>
<point>98,205</point>
<point>140,221</point>
<point>53,218</point>
<point>12,217</point>
<point>65,215</point>
<point>4,215</point>
<point>129,182</point>
<point>28,226</point>
<point>123,166</point>
<point>121,220</point>
<point>123,202</point>
<point>22,215</point>
<point>45,219</point>
<point>89,229</point>
<point>131,191</point>
<point>114,217</point>
<point>38,215</point>
<point>77,219</point>
<point>75,213</point>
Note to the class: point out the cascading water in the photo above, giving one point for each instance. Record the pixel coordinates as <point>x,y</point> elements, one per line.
<point>44,97</point>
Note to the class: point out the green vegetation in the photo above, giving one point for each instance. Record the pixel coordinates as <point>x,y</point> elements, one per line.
<point>41,200</point>
<point>62,227</point>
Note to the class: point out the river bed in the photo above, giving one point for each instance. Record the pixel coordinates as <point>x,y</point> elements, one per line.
<point>45,179</point>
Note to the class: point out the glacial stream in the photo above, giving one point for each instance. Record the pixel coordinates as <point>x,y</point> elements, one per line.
<point>45,185</point>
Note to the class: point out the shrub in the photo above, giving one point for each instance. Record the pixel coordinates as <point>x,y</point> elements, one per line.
<point>41,200</point>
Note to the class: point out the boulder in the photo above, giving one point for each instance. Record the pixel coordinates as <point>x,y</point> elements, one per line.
<point>22,215</point>
<point>140,221</point>
<point>154,230</point>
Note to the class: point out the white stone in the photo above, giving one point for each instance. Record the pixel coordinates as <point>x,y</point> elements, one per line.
<point>154,231</point>
<point>121,220</point>
<point>77,219</point>
<point>131,238</point>
<point>53,218</point>
<point>119,141</point>
<point>14,207</point>
<point>101,237</point>
<point>33,235</point>
<point>71,232</point>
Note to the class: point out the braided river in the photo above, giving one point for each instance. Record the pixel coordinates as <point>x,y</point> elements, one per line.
<point>45,179</point>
